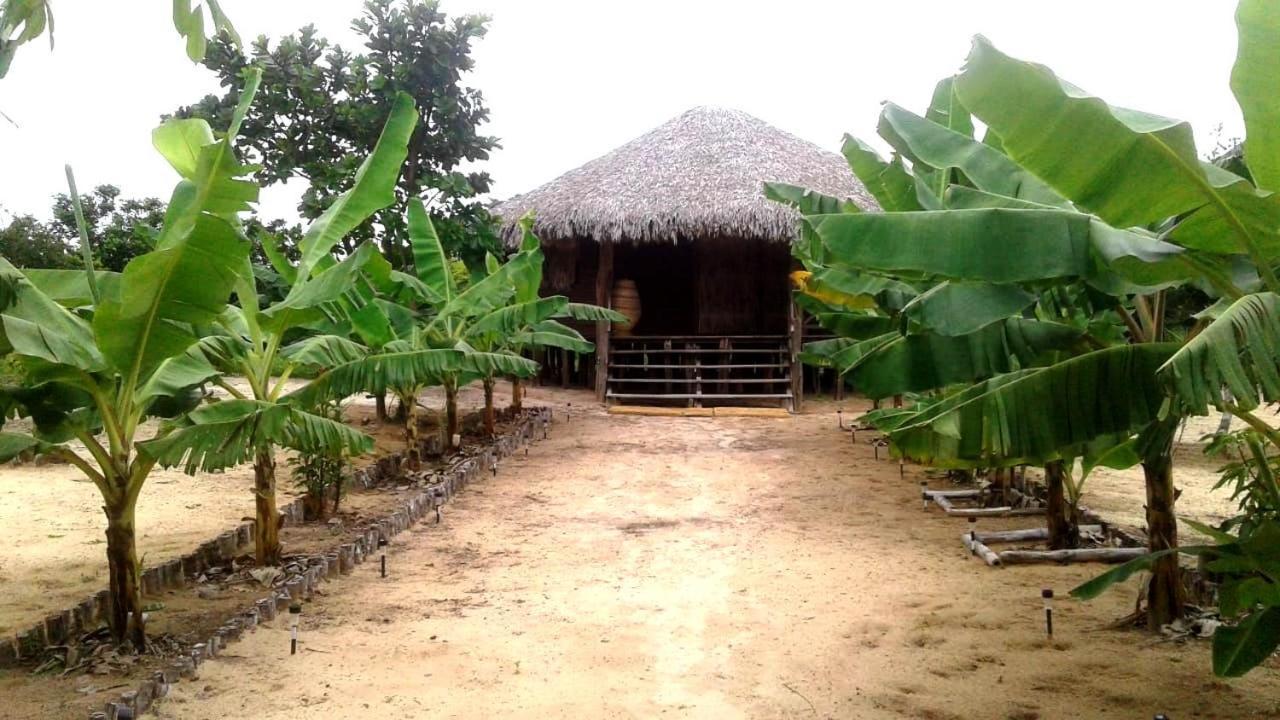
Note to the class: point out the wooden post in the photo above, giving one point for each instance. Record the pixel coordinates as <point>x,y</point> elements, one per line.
<point>795,318</point>
<point>604,279</point>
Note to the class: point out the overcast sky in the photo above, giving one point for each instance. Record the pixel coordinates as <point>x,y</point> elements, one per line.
<point>568,80</point>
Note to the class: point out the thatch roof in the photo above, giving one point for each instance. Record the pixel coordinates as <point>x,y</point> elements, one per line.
<point>698,176</point>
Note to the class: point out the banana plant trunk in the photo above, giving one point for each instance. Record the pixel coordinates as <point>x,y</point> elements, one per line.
<point>517,394</point>
<point>266,531</point>
<point>122,564</point>
<point>409,401</point>
<point>1165,595</point>
<point>1064,525</point>
<point>490,422</point>
<point>380,406</point>
<point>450,425</point>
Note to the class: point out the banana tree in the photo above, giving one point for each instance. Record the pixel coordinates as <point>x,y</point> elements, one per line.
<point>1067,189</point>
<point>529,321</point>
<point>425,343</point>
<point>130,352</point>
<point>255,341</point>
<point>897,338</point>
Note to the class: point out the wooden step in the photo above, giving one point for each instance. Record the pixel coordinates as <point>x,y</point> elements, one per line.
<point>748,366</point>
<point>705,381</point>
<point>696,396</point>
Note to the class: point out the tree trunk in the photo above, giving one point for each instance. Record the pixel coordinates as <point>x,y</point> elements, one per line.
<point>1064,526</point>
<point>125,589</point>
<point>337,494</point>
<point>1165,596</point>
<point>449,427</point>
<point>490,425</point>
<point>517,394</point>
<point>266,533</point>
<point>380,405</point>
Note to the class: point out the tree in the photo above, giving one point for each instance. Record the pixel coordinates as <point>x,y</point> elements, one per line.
<point>96,380</point>
<point>254,341</point>
<point>28,243</point>
<point>119,229</point>
<point>322,107</point>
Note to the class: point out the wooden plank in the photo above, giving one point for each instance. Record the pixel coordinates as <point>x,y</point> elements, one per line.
<point>1029,534</point>
<point>1102,555</point>
<point>693,381</point>
<point>975,546</point>
<point>604,278</point>
<point>694,396</point>
<point>752,366</point>
<point>699,351</point>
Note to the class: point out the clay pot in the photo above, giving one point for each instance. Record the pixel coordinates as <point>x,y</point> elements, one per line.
<point>626,300</point>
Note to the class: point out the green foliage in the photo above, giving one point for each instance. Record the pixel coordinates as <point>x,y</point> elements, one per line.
<point>321,108</point>
<point>322,473</point>
<point>1106,220</point>
<point>22,21</point>
<point>28,243</point>
<point>120,229</point>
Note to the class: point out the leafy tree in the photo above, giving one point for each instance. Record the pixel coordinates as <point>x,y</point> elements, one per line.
<point>322,107</point>
<point>119,229</point>
<point>28,243</point>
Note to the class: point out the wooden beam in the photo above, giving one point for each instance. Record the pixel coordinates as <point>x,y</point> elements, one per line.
<point>604,281</point>
<point>795,318</point>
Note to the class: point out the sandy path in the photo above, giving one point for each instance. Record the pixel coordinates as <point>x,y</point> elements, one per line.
<point>726,568</point>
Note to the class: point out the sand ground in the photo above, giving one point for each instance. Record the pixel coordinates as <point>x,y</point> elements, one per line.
<point>710,568</point>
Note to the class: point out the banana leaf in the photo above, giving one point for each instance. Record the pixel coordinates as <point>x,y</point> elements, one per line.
<point>1254,80</point>
<point>1001,245</point>
<point>929,144</point>
<point>1239,351</point>
<point>887,181</point>
<point>229,432</point>
<point>1129,168</point>
<point>1031,416</point>
<point>373,189</point>
<point>956,308</point>
<point>928,361</point>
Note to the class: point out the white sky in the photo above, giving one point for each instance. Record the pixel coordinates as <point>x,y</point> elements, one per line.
<point>569,80</point>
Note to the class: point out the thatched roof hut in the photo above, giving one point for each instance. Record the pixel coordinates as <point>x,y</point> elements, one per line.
<point>697,176</point>
<point>675,223</point>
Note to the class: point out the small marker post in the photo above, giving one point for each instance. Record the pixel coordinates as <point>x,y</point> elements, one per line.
<point>840,417</point>
<point>924,493</point>
<point>382,551</point>
<point>568,410</point>
<point>1047,595</point>
<point>973,535</point>
<point>437,499</point>
<point>295,614</point>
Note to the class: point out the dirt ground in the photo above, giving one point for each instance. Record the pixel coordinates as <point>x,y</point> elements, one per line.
<point>717,568</point>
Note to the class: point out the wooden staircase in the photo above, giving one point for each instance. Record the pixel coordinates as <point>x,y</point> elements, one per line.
<point>698,370</point>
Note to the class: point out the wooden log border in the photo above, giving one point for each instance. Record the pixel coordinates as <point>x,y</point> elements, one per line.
<point>301,576</point>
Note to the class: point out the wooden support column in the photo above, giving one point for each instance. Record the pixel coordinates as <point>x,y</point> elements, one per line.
<point>795,319</point>
<point>604,281</point>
